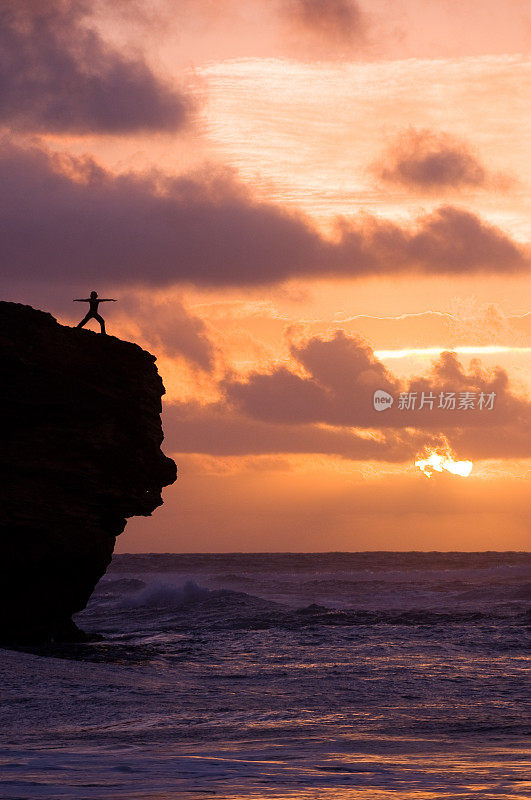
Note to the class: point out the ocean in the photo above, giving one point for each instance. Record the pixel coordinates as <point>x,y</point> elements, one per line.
<point>353,676</point>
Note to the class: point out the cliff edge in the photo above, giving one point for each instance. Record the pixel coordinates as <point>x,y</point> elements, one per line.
<point>79,454</point>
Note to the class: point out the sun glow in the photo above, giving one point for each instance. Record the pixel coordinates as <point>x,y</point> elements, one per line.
<point>443,459</point>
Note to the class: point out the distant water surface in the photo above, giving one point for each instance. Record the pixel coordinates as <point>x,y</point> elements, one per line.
<point>356,676</point>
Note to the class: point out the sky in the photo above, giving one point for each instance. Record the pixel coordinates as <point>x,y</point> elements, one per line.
<point>301,205</point>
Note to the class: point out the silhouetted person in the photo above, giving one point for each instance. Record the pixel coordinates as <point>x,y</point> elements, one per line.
<point>94,302</point>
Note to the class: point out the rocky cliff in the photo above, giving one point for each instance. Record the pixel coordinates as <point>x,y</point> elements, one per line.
<point>79,453</point>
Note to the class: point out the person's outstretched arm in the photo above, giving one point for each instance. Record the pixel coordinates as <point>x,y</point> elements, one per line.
<point>81,300</point>
<point>106,300</point>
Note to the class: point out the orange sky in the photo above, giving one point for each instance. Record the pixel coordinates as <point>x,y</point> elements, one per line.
<point>282,171</point>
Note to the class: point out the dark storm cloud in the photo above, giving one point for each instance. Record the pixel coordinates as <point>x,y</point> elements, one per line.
<point>67,218</point>
<point>341,19</point>
<point>342,375</point>
<point>58,75</point>
<point>422,159</point>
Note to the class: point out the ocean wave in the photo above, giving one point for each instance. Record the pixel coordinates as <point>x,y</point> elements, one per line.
<point>193,605</point>
<point>162,594</point>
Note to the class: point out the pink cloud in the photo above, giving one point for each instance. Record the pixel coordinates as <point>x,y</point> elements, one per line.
<point>342,375</point>
<point>335,19</point>
<point>70,218</point>
<point>59,75</point>
<point>429,161</point>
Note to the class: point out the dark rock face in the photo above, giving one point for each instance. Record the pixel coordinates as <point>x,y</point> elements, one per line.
<point>79,453</point>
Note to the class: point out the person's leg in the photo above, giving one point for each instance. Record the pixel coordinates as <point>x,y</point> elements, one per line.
<point>84,320</point>
<point>101,321</point>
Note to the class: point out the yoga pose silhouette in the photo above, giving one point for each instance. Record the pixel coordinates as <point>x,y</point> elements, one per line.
<point>94,301</point>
